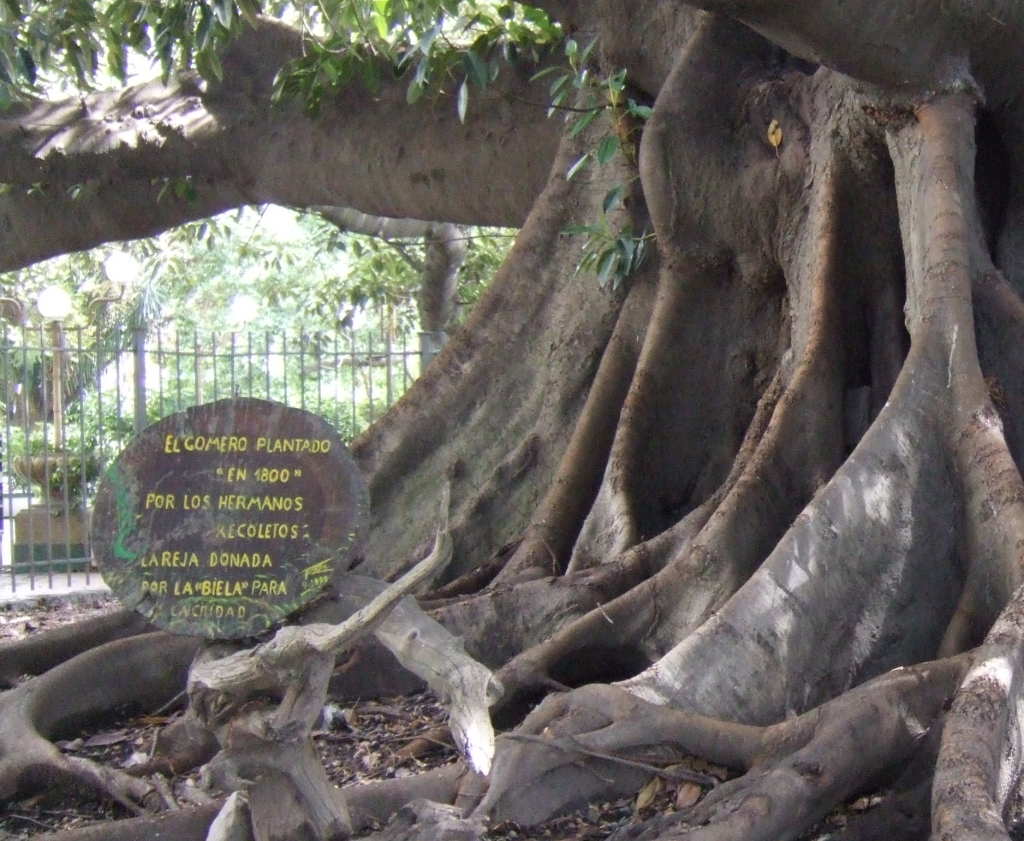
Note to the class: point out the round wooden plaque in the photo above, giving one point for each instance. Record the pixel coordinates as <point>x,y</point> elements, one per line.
<point>222,520</point>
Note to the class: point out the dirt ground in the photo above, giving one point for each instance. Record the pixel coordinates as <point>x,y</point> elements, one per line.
<point>358,742</point>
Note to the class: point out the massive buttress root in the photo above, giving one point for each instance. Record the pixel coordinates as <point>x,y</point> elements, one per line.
<point>911,548</point>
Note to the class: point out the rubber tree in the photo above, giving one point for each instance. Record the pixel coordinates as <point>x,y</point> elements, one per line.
<point>759,501</point>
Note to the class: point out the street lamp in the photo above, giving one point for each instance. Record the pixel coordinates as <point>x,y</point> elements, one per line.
<point>54,305</point>
<point>124,271</point>
<point>122,268</point>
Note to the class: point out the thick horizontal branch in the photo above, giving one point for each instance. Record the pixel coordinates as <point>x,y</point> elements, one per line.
<point>643,37</point>
<point>384,227</point>
<point>42,223</point>
<point>370,151</point>
<point>899,44</point>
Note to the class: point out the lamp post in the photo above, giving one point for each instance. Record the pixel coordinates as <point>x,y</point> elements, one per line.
<point>123,270</point>
<point>54,305</point>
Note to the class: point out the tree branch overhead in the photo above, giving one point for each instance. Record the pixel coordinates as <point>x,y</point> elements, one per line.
<point>754,498</point>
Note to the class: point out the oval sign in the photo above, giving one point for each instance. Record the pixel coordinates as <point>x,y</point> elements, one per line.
<point>222,520</point>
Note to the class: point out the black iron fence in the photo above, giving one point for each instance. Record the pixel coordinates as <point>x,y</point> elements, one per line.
<point>73,397</point>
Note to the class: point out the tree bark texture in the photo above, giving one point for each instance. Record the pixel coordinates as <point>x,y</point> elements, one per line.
<point>762,502</point>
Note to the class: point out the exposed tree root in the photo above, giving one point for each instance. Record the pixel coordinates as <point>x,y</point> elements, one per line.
<point>802,634</point>
<point>508,619</point>
<point>905,810</point>
<point>548,541</point>
<point>183,744</point>
<point>764,514</point>
<point>947,260</point>
<point>530,782</point>
<point>517,444</point>
<point>423,819</point>
<point>798,769</point>
<point>143,672</point>
<point>793,443</point>
<point>774,631</point>
<point>851,741</point>
<point>866,578</point>
<point>41,651</point>
<point>979,765</point>
<point>374,803</point>
<point>183,825</point>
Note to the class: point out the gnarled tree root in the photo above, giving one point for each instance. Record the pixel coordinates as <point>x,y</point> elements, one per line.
<point>181,745</point>
<point>979,764</point>
<point>794,441</point>
<point>182,825</point>
<point>143,672</point>
<point>371,804</point>
<point>796,770</point>
<point>43,650</point>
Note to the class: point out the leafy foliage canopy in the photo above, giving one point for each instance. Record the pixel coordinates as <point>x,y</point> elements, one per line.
<point>43,42</point>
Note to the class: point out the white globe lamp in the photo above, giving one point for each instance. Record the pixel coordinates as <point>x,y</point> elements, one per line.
<point>54,303</point>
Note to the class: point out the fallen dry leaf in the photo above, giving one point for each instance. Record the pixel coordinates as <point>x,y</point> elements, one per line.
<point>649,793</point>
<point>687,794</point>
<point>103,739</point>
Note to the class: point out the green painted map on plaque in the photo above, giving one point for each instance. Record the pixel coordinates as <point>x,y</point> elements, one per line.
<point>222,520</point>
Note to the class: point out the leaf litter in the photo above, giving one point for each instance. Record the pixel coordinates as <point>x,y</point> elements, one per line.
<point>360,741</point>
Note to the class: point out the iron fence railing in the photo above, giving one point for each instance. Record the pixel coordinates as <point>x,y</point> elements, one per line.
<point>73,397</point>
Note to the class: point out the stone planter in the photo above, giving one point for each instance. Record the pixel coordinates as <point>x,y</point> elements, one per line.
<point>48,538</point>
<point>51,535</point>
<point>60,476</point>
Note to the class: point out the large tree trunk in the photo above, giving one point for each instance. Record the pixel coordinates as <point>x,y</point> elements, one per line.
<point>769,485</point>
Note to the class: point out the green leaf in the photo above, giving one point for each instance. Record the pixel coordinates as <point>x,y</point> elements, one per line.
<point>463,100</point>
<point>427,38</point>
<point>382,18</point>
<point>607,266</point>
<point>640,253</point>
<point>579,230</point>
<point>12,9</point>
<point>370,71</point>
<point>422,66</point>
<point>642,112</point>
<point>475,68</point>
<point>250,10</point>
<point>225,12</point>
<point>626,244</point>
<point>616,83</point>
<point>612,198</point>
<point>547,71</point>
<point>537,17</point>
<point>330,71</point>
<point>184,189</point>
<point>576,167</point>
<point>27,64</point>
<point>559,85</point>
<point>583,122</point>
<point>209,66</point>
<point>607,149</point>
<point>589,49</point>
